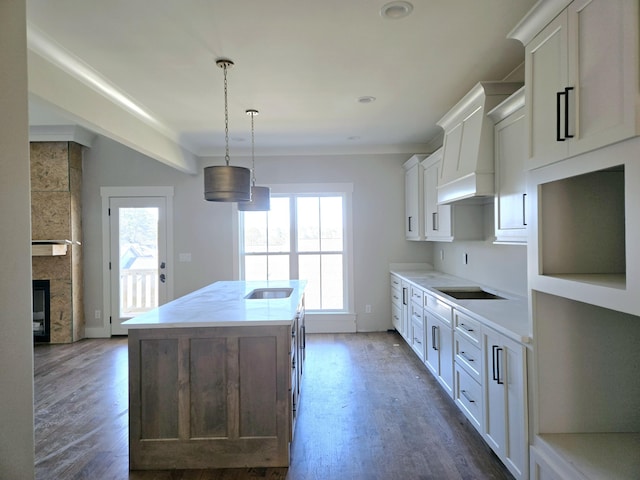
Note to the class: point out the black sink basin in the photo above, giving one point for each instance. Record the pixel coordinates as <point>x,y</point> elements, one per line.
<point>469,293</point>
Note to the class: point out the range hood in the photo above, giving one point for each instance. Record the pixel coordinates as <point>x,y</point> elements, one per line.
<point>467,171</point>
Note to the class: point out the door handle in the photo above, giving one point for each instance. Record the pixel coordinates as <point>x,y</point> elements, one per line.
<point>163,278</point>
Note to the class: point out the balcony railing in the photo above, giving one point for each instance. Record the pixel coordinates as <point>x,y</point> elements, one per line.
<point>138,291</point>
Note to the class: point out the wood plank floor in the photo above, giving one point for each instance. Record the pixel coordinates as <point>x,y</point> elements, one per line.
<point>369,410</point>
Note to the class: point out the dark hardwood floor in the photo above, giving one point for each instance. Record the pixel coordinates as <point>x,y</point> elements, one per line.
<point>369,410</point>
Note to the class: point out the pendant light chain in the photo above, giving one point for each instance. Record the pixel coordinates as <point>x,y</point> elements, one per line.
<point>226,117</point>
<point>253,158</point>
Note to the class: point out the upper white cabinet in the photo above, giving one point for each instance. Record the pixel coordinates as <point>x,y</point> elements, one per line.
<point>510,208</point>
<point>446,223</point>
<point>582,78</point>
<point>414,218</point>
<point>467,166</point>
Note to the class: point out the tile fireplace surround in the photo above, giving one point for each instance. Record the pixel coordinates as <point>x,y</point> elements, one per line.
<point>56,182</point>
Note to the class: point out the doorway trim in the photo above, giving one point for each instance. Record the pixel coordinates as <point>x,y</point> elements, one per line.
<point>111,192</point>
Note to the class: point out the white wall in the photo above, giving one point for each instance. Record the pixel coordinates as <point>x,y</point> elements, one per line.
<point>503,267</point>
<point>206,229</point>
<point>16,339</point>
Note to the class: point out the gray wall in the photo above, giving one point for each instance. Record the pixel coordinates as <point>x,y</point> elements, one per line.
<point>16,339</point>
<point>205,229</point>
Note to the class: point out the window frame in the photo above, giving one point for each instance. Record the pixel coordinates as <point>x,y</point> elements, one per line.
<point>294,191</point>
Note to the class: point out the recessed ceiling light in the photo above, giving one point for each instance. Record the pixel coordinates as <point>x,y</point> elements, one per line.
<point>396,10</point>
<point>366,99</point>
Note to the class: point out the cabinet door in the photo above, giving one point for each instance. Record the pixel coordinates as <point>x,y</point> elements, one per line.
<point>439,350</point>
<point>510,219</point>
<point>505,405</point>
<point>413,203</point>
<point>437,218</point>
<point>405,317</point>
<point>603,57</point>
<point>546,75</point>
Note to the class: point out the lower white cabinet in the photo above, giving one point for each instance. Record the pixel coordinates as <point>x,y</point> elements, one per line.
<point>396,302</point>
<point>439,350</point>
<point>505,412</point>
<point>468,396</point>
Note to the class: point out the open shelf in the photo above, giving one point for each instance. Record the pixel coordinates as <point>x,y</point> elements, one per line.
<point>582,228</point>
<point>597,456</point>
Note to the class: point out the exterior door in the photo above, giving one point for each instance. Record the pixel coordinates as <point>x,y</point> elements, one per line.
<point>138,257</point>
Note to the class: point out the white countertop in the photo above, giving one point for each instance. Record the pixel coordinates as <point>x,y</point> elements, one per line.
<point>508,316</point>
<point>223,304</point>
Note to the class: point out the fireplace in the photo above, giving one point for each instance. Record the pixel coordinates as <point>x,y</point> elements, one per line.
<point>41,311</point>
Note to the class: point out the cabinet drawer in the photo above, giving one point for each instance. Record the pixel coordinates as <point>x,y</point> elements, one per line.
<point>468,327</point>
<point>417,338</point>
<point>396,316</point>
<point>396,296</point>
<point>468,397</point>
<point>468,356</point>
<point>396,282</point>
<point>416,314</point>
<point>417,295</point>
<point>440,308</point>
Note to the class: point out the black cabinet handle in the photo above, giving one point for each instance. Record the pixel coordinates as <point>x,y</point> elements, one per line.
<point>466,395</point>
<point>433,337</point>
<point>409,218</point>
<point>434,221</point>
<point>566,112</point>
<point>524,209</point>
<point>558,128</point>
<point>404,295</point>
<point>496,350</point>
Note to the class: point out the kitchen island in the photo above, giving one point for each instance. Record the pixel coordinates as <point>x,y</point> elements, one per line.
<point>214,377</point>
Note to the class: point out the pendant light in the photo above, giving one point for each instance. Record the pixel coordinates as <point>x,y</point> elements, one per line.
<point>260,196</point>
<point>225,183</point>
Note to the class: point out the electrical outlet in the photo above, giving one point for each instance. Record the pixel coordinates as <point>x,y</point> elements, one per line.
<point>442,254</point>
<point>367,309</point>
<point>97,314</point>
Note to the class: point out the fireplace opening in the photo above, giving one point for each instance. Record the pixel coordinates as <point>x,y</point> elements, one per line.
<point>41,311</point>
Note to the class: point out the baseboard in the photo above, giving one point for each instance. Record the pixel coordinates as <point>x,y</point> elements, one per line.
<point>97,332</point>
<point>330,322</point>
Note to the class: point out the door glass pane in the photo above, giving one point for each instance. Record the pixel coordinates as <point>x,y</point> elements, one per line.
<point>138,241</point>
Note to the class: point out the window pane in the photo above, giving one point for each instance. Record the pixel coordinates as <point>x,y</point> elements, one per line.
<point>331,223</point>
<point>255,232</point>
<point>309,270</point>
<point>279,225</point>
<point>255,267</point>
<point>332,282</point>
<point>278,267</point>
<point>308,224</point>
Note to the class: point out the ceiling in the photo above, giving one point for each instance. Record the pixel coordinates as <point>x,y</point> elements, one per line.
<point>302,64</point>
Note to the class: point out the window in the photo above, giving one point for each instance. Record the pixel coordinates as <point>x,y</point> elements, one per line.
<point>303,236</point>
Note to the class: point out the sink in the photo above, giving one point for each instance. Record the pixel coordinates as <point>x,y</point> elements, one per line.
<point>468,293</point>
<point>269,293</point>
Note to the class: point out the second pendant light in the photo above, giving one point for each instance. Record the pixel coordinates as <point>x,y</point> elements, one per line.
<point>260,196</point>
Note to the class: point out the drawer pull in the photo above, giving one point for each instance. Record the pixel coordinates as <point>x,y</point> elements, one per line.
<point>466,357</point>
<point>466,395</point>
<point>415,339</point>
<point>465,328</point>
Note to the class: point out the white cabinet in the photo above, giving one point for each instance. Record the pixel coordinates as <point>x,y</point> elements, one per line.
<point>416,339</point>
<point>396,302</point>
<point>581,74</point>
<point>439,341</point>
<point>467,165</point>
<point>414,218</point>
<point>446,223</point>
<point>505,413</point>
<point>510,165</point>
<point>405,311</point>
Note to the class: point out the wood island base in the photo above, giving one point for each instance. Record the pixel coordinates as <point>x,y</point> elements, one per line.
<point>213,397</point>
